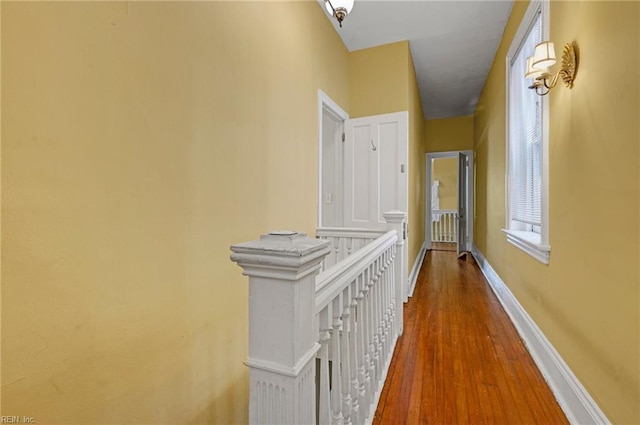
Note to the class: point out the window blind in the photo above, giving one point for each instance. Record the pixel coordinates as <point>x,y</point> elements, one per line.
<point>525,137</point>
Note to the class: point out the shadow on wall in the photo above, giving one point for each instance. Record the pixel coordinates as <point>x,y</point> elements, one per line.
<point>225,409</point>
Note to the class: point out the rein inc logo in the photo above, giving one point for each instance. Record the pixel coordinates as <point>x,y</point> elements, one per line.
<point>17,420</point>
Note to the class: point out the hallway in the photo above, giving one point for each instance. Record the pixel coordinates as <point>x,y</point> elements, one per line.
<point>460,359</point>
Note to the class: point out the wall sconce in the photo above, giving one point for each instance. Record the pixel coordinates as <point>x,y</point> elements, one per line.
<point>341,9</point>
<point>543,57</point>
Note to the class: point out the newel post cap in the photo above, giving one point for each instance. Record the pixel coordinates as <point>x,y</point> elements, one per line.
<point>282,250</point>
<point>394,216</point>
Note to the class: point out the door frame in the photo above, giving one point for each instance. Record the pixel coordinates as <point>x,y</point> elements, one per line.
<point>325,104</point>
<point>470,192</point>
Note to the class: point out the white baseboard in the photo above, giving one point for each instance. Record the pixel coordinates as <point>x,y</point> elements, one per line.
<point>573,398</point>
<point>415,270</point>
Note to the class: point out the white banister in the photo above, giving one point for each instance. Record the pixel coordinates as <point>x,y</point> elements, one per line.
<point>345,241</point>
<point>332,333</point>
<point>345,355</point>
<point>444,226</point>
<point>283,342</point>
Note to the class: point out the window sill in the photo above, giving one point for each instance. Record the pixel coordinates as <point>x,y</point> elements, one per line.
<point>529,242</point>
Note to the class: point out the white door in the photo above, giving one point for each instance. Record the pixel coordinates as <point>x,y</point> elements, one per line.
<point>463,173</point>
<point>375,169</point>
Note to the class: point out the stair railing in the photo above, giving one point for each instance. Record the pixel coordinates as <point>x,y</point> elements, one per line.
<point>332,333</point>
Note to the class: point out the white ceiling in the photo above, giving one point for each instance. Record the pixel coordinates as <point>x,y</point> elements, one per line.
<point>453,44</point>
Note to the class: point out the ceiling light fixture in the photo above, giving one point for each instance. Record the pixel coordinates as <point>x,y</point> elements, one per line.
<point>339,9</point>
<point>543,57</point>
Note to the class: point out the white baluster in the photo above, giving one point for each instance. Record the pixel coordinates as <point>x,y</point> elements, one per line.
<point>446,228</point>
<point>336,392</point>
<point>383,309</point>
<point>434,232</point>
<point>324,408</point>
<point>390,288</point>
<point>445,220</point>
<point>394,300</point>
<point>375,321</point>
<point>364,344</point>
<point>371,368</point>
<point>345,355</point>
<point>387,302</point>
<point>353,353</point>
<point>381,319</point>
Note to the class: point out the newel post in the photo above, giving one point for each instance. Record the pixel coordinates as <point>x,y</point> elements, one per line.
<point>282,267</point>
<point>396,221</point>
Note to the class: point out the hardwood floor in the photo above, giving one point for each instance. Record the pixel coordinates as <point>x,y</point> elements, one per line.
<point>460,359</point>
<point>443,246</point>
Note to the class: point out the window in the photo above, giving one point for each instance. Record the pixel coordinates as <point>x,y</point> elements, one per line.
<point>527,135</point>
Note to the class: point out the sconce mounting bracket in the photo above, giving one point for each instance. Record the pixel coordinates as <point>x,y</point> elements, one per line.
<point>569,64</point>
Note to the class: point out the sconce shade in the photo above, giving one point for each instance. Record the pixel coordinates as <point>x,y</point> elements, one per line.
<point>544,55</point>
<point>339,4</point>
<point>531,71</point>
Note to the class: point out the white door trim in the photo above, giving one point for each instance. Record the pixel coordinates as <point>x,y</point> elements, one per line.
<point>325,104</point>
<point>470,192</point>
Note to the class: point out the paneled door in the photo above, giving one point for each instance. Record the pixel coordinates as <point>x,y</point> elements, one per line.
<point>375,168</point>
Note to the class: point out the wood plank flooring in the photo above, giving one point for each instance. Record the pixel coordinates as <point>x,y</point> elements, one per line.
<point>460,359</point>
<point>443,246</point>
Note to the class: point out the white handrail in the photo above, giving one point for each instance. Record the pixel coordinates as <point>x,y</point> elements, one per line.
<point>358,309</point>
<point>345,241</point>
<point>353,232</point>
<point>331,282</point>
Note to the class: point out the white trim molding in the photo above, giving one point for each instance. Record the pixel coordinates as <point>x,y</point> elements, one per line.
<point>535,243</point>
<point>529,242</point>
<point>325,104</point>
<point>575,401</point>
<point>415,270</point>
<point>429,156</point>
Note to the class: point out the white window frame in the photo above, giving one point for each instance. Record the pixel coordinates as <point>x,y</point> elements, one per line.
<point>533,243</point>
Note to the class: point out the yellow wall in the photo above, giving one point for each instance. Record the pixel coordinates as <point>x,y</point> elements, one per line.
<point>449,134</point>
<point>379,80</point>
<point>140,140</point>
<point>445,170</point>
<point>417,167</point>
<point>587,300</point>
<point>382,80</point>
